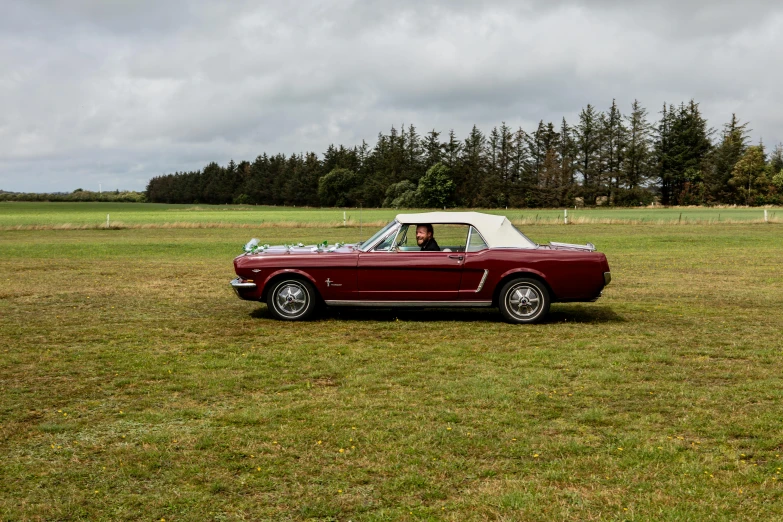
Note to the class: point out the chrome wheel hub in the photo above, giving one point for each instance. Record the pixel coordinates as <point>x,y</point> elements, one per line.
<point>524,301</point>
<point>291,299</point>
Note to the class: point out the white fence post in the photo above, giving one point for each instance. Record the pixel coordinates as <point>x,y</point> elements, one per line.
<point>565,216</point>
<point>107,220</point>
<point>766,220</point>
<point>343,218</point>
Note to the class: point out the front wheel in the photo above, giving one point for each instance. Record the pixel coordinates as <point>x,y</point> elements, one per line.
<point>291,300</point>
<point>523,301</point>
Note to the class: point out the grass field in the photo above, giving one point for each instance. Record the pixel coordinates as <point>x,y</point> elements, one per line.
<point>149,215</point>
<point>135,386</point>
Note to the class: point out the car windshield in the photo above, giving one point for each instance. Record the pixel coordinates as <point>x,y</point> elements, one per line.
<point>381,232</point>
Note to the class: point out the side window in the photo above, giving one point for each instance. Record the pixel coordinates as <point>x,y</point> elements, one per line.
<point>476,242</point>
<point>451,238</point>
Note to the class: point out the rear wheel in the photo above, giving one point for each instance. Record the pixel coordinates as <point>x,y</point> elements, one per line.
<point>291,300</point>
<point>523,301</point>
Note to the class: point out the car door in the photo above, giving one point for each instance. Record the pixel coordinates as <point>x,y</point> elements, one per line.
<point>476,269</point>
<point>400,272</point>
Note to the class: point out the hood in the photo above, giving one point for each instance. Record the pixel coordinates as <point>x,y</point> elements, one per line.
<point>253,247</point>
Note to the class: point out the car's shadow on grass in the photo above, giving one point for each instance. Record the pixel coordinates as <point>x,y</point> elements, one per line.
<point>566,313</point>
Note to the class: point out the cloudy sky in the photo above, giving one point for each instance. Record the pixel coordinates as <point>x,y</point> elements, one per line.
<point>116,92</point>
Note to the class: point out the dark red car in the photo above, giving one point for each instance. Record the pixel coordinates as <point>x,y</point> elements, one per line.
<point>471,260</point>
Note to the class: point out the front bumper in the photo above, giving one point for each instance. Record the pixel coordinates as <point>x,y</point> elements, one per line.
<point>242,284</point>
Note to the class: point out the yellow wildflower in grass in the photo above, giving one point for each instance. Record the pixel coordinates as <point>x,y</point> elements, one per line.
<point>342,450</point>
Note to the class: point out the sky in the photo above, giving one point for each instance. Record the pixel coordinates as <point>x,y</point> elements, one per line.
<point>108,94</point>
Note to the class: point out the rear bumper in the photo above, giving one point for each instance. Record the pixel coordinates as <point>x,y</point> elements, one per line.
<point>607,278</point>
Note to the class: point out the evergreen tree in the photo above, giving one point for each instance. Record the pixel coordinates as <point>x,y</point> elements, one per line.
<point>490,187</point>
<point>567,153</point>
<point>637,160</point>
<point>733,145</point>
<point>473,165</point>
<point>614,139</point>
<point>451,151</point>
<point>433,149</point>
<point>691,149</point>
<point>413,155</point>
<point>588,143</point>
<point>520,181</point>
<point>663,153</point>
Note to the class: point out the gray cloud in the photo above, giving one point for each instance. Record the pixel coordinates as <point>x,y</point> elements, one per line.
<point>117,92</point>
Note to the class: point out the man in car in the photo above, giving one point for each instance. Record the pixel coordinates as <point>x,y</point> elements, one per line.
<point>424,238</point>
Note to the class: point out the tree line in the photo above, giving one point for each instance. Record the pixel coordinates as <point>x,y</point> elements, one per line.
<point>78,195</point>
<point>606,157</point>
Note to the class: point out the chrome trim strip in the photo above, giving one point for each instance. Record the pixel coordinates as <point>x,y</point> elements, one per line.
<point>408,304</point>
<point>607,278</point>
<point>589,246</point>
<point>483,280</point>
<point>237,283</point>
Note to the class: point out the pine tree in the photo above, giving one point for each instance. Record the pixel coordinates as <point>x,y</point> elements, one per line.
<point>588,142</point>
<point>733,145</point>
<point>433,149</point>
<point>567,153</point>
<point>614,140</point>
<point>637,160</point>
<point>520,182</point>
<point>663,153</point>
<point>473,165</point>
<point>691,147</point>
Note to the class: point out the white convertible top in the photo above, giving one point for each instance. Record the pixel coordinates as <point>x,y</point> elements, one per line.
<point>497,231</point>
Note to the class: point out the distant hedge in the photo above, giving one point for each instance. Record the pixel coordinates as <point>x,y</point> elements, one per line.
<point>117,196</point>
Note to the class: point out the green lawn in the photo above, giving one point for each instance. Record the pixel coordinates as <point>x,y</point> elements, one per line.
<point>14,215</point>
<point>135,385</point>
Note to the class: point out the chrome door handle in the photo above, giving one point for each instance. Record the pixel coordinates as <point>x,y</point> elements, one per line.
<point>456,257</point>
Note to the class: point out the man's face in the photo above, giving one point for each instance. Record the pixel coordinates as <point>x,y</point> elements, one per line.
<point>422,235</point>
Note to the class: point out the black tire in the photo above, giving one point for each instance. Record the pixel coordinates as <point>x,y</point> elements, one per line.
<point>523,301</point>
<point>291,300</point>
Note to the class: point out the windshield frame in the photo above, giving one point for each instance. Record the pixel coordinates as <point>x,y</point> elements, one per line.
<point>379,236</point>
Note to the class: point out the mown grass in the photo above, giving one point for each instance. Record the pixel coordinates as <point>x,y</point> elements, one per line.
<point>63,216</point>
<point>135,385</point>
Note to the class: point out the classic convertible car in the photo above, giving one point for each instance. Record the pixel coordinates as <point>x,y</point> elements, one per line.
<point>475,260</point>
